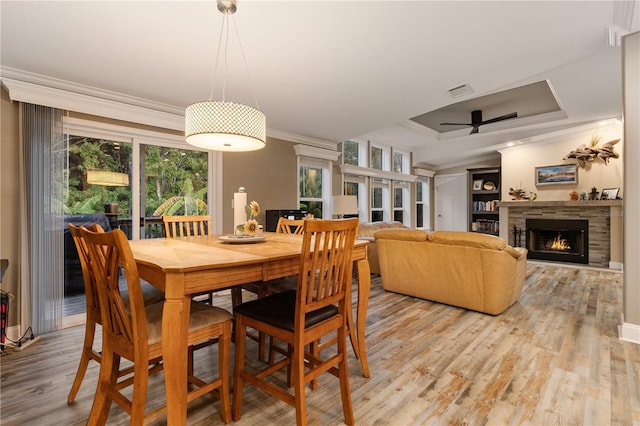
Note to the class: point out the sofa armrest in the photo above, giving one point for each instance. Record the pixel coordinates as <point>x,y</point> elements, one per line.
<point>516,252</point>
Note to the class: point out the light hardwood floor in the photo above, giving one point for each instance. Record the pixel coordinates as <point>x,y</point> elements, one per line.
<point>552,358</point>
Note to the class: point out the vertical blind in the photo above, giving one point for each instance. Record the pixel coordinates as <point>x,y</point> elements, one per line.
<point>44,157</point>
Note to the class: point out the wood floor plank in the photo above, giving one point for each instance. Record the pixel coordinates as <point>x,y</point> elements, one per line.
<point>552,358</point>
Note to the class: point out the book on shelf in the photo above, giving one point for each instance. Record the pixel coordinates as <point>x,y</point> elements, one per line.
<point>485,206</point>
<point>487,226</point>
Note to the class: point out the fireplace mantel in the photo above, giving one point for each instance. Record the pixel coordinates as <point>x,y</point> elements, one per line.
<point>567,203</point>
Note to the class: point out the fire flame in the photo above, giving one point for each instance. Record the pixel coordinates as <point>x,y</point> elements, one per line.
<point>560,243</point>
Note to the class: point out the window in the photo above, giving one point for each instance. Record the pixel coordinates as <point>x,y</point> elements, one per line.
<point>385,184</point>
<point>401,202</point>
<point>422,203</point>
<point>110,158</point>
<point>356,185</point>
<point>401,162</point>
<point>350,153</point>
<point>376,158</point>
<point>175,183</point>
<point>379,199</point>
<point>311,195</point>
<point>314,179</point>
<point>398,163</point>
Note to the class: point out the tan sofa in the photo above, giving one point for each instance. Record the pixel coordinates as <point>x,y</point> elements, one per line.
<point>366,231</point>
<point>466,269</point>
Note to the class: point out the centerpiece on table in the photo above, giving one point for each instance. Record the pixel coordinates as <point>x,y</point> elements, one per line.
<point>251,226</point>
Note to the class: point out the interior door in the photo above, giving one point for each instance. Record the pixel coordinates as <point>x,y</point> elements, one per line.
<point>450,193</point>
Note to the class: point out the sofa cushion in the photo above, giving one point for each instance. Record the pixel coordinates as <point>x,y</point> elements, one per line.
<point>468,239</point>
<point>367,229</point>
<point>402,234</point>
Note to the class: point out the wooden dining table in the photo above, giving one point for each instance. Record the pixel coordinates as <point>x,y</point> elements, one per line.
<point>184,267</point>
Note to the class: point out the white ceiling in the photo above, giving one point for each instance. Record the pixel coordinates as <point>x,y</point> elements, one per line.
<point>335,70</point>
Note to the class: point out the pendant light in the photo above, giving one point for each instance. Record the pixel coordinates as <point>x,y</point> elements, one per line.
<point>220,125</point>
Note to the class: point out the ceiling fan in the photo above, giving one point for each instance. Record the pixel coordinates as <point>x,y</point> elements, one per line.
<point>476,120</point>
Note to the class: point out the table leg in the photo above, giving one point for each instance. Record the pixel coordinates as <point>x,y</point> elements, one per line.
<point>175,326</point>
<point>364,287</point>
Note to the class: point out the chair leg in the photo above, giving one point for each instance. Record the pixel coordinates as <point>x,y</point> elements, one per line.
<point>238,370</point>
<point>108,377</point>
<point>297,370</point>
<point>315,351</point>
<point>262,339</point>
<point>224,352</point>
<point>190,353</point>
<point>87,355</point>
<point>343,373</point>
<point>140,388</point>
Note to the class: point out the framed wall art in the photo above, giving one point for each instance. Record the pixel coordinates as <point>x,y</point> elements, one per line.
<point>609,193</point>
<point>554,175</point>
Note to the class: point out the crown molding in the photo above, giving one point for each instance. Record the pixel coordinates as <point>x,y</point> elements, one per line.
<point>305,140</point>
<point>38,89</point>
<point>71,101</point>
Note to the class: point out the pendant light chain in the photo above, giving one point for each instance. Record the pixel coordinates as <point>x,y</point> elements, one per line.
<point>224,26</point>
<point>246,66</point>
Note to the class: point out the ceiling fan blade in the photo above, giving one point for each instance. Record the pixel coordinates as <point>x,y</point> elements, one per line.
<point>456,124</point>
<point>502,117</point>
<point>474,130</point>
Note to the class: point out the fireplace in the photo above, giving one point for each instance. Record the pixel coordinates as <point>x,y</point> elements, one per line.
<point>561,240</point>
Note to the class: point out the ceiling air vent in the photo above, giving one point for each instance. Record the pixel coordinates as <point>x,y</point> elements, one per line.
<point>461,90</point>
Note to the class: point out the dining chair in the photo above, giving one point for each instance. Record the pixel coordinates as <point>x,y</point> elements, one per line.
<point>149,293</point>
<point>136,334</point>
<point>317,308</point>
<point>186,226</point>
<point>193,226</point>
<point>265,288</point>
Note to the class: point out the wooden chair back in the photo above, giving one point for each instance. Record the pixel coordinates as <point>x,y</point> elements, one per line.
<point>186,226</point>
<point>108,253</point>
<point>290,226</point>
<point>325,265</point>
<point>90,289</point>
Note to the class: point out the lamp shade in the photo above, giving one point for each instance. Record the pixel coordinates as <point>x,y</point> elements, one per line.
<point>345,204</point>
<point>225,126</point>
<point>106,178</point>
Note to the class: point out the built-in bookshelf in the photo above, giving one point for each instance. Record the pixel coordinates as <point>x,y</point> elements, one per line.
<point>484,196</point>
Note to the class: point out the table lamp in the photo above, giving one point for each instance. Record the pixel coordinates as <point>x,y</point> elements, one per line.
<point>344,204</point>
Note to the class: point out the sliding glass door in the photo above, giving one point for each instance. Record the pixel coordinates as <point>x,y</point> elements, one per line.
<point>126,178</point>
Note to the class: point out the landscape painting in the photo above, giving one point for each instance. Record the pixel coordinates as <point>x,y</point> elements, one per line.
<point>564,174</point>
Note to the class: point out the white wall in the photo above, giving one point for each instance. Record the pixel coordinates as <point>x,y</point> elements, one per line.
<point>630,327</point>
<point>519,162</point>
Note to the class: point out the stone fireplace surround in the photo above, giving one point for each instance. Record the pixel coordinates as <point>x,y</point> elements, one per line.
<point>605,224</point>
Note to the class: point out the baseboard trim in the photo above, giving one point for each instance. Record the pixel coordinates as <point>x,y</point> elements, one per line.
<point>628,332</point>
